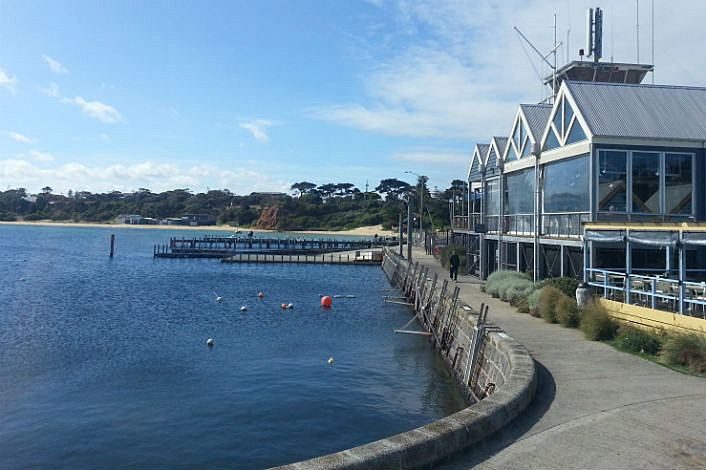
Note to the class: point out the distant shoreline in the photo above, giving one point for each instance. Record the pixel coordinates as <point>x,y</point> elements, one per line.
<point>367,231</point>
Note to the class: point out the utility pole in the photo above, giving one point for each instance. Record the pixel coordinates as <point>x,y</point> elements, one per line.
<point>409,230</point>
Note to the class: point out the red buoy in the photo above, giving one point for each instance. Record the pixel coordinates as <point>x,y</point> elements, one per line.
<point>326,301</point>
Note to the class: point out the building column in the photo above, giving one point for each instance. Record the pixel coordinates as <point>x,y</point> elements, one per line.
<point>628,269</point>
<point>682,275</point>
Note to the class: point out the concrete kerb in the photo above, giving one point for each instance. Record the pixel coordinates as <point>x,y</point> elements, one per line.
<point>435,441</point>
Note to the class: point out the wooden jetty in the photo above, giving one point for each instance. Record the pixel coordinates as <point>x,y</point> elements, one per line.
<point>221,247</point>
<point>371,257</point>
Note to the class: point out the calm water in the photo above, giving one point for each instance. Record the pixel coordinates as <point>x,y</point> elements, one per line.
<point>103,363</point>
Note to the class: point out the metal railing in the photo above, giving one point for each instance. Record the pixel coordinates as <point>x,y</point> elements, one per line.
<point>659,293</point>
<point>566,224</point>
<point>520,224</point>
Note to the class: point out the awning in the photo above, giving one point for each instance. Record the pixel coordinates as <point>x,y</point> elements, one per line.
<point>653,238</point>
<point>694,238</point>
<point>607,236</point>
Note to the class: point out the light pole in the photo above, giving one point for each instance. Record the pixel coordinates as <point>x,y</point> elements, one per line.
<point>421,199</point>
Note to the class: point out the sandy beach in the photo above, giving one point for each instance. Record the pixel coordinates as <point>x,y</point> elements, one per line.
<point>367,231</point>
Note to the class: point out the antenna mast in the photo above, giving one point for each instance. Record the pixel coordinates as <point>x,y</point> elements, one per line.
<point>637,27</point>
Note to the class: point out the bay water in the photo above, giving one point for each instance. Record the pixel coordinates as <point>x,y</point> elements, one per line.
<point>104,362</point>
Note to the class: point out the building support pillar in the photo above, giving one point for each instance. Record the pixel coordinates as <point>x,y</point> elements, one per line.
<point>628,269</point>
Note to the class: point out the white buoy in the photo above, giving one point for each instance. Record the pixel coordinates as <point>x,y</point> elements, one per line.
<point>243,308</point>
<point>330,360</point>
<point>290,305</point>
<point>218,297</point>
<point>209,342</point>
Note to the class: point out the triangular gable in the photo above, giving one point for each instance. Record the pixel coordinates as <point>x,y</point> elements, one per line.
<point>565,126</point>
<point>493,161</point>
<point>528,126</point>
<point>475,171</point>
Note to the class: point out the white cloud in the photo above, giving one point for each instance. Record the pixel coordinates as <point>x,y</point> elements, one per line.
<point>54,65</point>
<point>41,156</point>
<point>257,128</point>
<point>455,69</point>
<point>432,156</point>
<point>52,90</point>
<point>17,137</point>
<point>153,175</point>
<point>104,137</point>
<point>95,109</point>
<point>8,82</point>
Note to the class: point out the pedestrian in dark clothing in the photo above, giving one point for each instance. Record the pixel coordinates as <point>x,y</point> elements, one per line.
<point>455,262</point>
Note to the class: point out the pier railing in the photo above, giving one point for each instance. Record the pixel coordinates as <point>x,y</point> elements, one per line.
<point>656,292</point>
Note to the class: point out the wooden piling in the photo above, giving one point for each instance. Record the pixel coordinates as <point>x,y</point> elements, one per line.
<point>112,244</point>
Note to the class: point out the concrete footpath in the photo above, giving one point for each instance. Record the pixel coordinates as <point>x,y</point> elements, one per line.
<point>595,407</point>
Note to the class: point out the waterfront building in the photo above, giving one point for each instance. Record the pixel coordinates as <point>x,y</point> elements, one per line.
<point>607,184</point>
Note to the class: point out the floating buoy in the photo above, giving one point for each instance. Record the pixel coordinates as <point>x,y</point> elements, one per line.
<point>330,360</point>
<point>290,305</point>
<point>284,306</point>
<point>243,308</point>
<point>326,301</point>
<point>209,342</point>
<point>260,294</point>
<point>218,297</point>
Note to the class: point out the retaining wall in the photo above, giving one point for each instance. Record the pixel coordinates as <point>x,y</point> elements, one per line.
<point>499,377</point>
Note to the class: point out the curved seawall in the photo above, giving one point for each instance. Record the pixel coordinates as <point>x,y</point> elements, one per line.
<point>492,368</point>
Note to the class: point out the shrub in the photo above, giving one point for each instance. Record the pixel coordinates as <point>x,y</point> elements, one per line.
<point>523,305</point>
<point>566,285</point>
<point>686,350</point>
<point>547,304</point>
<point>514,289</point>
<point>596,324</point>
<point>497,282</point>
<point>638,341</point>
<point>566,312</point>
<point>533,300</point>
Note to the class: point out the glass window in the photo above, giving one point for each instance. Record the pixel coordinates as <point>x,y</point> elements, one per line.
<point>568,114</point>
<point>677,181</point>
<point>576,134</point>
<point>493,197</point>
<point>552,141</point>
<point>557,121</point>
<point>566,185</point>
<point>645,182</point>
<point>519,188</point>
<point>527,150</point>
<point>511,154</point>
<point>612,180</point>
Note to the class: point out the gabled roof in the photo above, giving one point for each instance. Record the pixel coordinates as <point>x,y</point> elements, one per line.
<point>493,159</point>
<point>480,153</point>
<point>536,116</point>
<point>641,111</point>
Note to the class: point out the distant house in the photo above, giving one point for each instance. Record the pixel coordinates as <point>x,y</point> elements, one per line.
<point>131,219</point>
<point>198,219</point>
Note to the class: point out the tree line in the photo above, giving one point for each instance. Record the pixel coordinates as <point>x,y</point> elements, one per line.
<point>330,206</point>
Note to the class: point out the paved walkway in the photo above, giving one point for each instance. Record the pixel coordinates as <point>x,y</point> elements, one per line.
<point>595,407</point>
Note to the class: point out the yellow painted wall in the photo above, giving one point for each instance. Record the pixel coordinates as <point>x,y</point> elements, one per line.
<point>647,317</point>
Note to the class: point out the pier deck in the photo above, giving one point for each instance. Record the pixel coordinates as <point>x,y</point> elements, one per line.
<point>362,257</point>
<point>234,246</point>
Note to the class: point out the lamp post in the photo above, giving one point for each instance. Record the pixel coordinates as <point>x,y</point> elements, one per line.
<point>421,199</point>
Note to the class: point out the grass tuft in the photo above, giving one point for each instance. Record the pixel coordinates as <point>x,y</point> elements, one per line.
<point>596,324</point>
<point>686,350</point>
<point>547,304</point>
<point>566,312</point>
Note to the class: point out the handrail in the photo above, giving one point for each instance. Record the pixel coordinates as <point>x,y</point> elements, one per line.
<point>663,293</point>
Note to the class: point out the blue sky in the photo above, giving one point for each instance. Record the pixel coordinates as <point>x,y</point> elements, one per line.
<point>254,96</point>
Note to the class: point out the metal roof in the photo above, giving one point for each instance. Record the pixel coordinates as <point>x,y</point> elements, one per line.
<point>537,116</point>
<point>641,111</point>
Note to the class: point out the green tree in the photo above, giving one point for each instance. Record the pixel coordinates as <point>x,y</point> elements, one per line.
<point>393,188</point>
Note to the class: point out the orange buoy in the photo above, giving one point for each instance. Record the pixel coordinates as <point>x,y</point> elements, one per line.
<point>284,306</point>
<point>260,294</point>
<point>326,301</point>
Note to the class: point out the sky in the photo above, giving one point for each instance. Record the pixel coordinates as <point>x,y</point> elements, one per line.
<point>257,95</point>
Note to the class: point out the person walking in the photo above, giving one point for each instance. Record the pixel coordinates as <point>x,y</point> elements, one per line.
<point>455,262</point>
